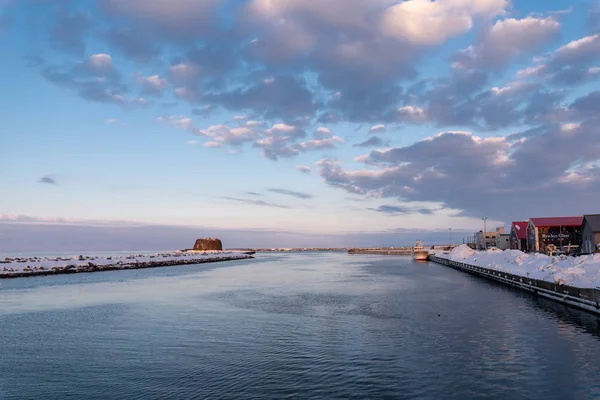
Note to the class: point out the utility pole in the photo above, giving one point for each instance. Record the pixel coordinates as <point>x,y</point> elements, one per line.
<point>484,233</point>
<point>450,232</point>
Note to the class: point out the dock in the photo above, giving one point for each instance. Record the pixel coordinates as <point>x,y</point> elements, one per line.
<point>583,298</point>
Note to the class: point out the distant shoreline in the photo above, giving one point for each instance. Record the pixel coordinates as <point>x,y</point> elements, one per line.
<point>312,249</point>
<point>351,250</point>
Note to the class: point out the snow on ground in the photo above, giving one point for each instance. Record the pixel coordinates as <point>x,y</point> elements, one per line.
<point>30,264</point>
<point>582,271</point>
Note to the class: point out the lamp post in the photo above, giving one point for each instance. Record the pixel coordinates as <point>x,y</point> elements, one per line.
<point>484,232</point>
<point>450,233</point>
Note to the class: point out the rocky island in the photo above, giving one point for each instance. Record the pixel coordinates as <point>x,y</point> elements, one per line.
<point>209,244</point>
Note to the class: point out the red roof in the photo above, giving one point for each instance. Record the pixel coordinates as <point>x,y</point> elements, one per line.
<point>557,221</point>
<point>521,229</point>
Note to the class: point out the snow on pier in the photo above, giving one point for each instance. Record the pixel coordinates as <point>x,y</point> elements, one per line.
<point>581,272</point>
<point>31,266</point>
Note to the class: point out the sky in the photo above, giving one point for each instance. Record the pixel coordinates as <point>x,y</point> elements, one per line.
<point>282,122</point>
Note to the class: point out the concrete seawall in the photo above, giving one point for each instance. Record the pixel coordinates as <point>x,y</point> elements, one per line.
<point>585,299</point>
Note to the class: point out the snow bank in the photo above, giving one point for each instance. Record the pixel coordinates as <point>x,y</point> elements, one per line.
<point>35,265</point>
<point>462,251</point>
<point>582,271</point>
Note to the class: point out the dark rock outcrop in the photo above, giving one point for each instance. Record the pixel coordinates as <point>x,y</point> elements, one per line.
<point>208,244</point>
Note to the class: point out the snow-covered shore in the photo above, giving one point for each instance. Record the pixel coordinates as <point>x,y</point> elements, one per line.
<point>31,266</point>
<point>581,272</point>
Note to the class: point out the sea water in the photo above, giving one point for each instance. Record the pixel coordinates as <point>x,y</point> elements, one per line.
<point>293,325</point>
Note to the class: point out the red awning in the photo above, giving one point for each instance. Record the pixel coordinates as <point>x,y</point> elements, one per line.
<point>557,221</point>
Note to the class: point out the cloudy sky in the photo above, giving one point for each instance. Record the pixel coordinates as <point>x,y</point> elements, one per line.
<point>308,117</point>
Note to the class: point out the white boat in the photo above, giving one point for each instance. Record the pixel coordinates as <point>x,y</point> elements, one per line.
<point>418,252</point>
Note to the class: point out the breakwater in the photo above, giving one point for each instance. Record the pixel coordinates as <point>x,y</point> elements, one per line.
<point>583,298</point>
<point>396,252</point>
<point>119,265</point>
<point>290,249</point>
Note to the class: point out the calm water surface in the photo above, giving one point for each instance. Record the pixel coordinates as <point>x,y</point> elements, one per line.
<point>318,325</point>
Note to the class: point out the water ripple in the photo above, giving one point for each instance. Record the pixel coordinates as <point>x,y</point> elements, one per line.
<point>294,326</point>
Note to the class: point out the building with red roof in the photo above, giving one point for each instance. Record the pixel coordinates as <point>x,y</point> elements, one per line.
<point>556,231</point>
<point>518,235</point>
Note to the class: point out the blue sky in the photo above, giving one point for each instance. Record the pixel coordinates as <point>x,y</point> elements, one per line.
<point>311,117</point>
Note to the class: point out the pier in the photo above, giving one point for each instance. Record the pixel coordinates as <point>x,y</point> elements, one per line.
<point>582,298</point>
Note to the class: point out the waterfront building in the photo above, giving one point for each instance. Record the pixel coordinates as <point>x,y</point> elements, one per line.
<point>489,239</point>
<point>591,233</point>
<point>559,231</point>
<point>503,241</point>
<point>518,235</point>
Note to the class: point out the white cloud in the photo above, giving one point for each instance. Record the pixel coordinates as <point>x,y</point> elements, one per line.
<point>182,70</point>
<point>113,121</point>
<point>304,169</point>
<point>580,51</point>
<point>322,133</point>
<point>440,169</point>
<point>153,83</point>
<point>184,74</point>
<point>317,144</point>
<point>425,22</point>
<point>275,147</point>
<point>101,62</point>
<point>235,136</point>
<point>335,13</point>
<point>530,72</point>
<point>280,140</point>
<point>186,94</point>
<point>570,127</point>
<point>584,43</point>
<point>569,65</point>
<point>182,122</point>
<point>411,114</point>
<point>127,101</point>
<point>506,39</point>
<point>377,128</point>
<point>510,88</point>
<point>284,130</point>
<point>177,121</point>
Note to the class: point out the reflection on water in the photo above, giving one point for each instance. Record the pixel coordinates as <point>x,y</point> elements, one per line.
<point>321,325</point>
<point>571,321</point>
